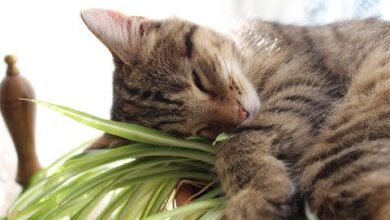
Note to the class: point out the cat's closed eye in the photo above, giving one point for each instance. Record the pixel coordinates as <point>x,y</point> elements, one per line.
<point>199,84</point>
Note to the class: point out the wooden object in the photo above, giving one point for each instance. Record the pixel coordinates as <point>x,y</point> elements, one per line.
<point>19,117</point>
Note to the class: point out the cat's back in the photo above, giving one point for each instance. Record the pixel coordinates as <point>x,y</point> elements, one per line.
<point>340,47</point>
<point>352,33</point>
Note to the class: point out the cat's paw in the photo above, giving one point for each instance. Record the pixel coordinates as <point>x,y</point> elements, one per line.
<point>249,204</point>
<point>235,163</point>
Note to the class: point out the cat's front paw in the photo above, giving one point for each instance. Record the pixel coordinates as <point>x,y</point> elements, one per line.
<point>249,204</point>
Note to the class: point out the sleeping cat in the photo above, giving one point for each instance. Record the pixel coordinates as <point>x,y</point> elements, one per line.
<point>308,107</point>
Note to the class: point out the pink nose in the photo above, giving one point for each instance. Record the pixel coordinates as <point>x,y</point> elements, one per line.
<point>242,113</point>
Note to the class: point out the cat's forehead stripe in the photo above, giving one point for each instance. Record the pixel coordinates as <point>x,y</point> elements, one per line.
<point>188,41</point>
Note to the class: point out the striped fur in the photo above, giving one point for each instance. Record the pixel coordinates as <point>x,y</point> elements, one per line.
<point>325,116</point>
<point>322,132</point>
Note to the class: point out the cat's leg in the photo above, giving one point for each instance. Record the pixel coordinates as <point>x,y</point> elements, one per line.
<point>255,181</point>
<point>347,174</point>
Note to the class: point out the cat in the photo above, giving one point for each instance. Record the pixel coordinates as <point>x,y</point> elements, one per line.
<point>308,108</point>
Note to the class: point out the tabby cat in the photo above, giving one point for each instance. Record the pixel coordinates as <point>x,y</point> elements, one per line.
<point>322,130</point>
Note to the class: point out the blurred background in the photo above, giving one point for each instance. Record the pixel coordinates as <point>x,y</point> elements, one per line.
<point>67,65</point>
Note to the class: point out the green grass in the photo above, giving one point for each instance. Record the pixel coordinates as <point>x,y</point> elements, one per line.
<point>136,181</point>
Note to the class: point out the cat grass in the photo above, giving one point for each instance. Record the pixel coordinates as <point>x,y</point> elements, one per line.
<point>136,181</point>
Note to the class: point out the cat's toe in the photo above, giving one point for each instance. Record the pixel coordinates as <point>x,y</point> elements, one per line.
<point>251,205</point>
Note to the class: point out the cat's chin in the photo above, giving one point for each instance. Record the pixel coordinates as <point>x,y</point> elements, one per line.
<point>211,132</point>
<point>208,134</point>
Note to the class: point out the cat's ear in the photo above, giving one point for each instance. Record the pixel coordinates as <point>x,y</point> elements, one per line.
<point>123,35</point>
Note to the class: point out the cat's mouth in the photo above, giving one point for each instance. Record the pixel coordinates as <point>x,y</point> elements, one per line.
<point>223,120</point>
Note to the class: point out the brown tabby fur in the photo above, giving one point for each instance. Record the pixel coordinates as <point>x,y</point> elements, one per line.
<point>323,129</point>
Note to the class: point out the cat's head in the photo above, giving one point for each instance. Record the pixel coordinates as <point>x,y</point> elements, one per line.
<point>174,75</point>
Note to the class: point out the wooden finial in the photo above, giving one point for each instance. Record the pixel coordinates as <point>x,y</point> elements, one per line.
<point>19,117</point>
<point>11,62</point>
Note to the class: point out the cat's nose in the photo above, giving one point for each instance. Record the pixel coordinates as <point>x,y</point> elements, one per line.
<point>242,113</point>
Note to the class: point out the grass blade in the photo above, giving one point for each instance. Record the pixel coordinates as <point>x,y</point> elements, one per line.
<point>129,131</point>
